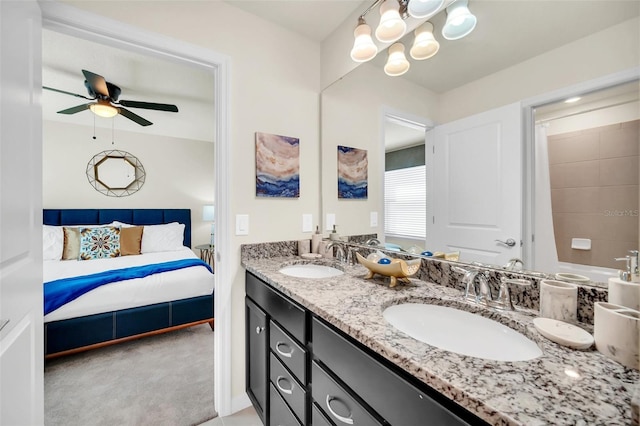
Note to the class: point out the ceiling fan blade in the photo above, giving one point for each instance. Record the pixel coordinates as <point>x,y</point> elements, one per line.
<point>149,105</point>
<point>75,109</point>
<point>135,117</point>
<point>66,93</point>
<point>97,83</point>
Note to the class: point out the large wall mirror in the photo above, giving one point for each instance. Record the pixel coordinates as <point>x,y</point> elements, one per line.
<point>356,108</point>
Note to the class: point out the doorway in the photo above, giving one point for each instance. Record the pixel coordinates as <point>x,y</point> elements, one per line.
<point>73,22</point>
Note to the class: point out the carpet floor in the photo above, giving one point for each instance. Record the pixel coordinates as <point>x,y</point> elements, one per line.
<point>159,380</point>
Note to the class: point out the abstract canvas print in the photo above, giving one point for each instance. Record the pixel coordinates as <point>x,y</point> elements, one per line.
<point>277,166</point>
<point>352,172</point>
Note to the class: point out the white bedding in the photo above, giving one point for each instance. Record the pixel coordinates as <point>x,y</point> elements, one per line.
<point>156,288</point>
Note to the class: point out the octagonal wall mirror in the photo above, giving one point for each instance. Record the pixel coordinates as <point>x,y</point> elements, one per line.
<point>115,173</point>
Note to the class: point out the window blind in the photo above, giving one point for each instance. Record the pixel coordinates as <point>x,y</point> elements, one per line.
<point>405,202</point>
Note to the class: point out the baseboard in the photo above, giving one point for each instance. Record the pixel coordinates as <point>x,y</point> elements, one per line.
<point>240,402</point>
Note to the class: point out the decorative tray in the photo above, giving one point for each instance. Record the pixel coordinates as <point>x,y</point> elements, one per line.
<point>397,270</point>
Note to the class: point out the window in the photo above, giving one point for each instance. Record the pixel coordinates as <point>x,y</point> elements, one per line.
<point>405,202</point>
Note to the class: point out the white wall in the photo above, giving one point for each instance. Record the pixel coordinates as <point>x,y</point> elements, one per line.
<point>275,79</point>
<point>351,116</point>
<point>606,52</point>
<point>179,172</point>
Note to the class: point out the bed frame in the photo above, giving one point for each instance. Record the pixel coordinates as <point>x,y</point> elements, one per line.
<point>74,335</point>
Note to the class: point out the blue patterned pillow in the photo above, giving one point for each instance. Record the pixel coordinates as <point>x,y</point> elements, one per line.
<point>99,243</point>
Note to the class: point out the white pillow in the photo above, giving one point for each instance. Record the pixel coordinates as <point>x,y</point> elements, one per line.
<point>166,237</point>
<point>121,224</point>
<point>52,242</point>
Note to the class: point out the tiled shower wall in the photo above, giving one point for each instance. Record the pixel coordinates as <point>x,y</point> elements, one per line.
<point>594,192</point>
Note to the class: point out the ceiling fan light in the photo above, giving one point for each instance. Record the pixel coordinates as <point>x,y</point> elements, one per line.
<point>460,21</point>
<point>397,63</point>
<point>364,49</point>
<point>425,44</point>
<point>103,110</point>
<point>424,8</point>
<point>391,26</point>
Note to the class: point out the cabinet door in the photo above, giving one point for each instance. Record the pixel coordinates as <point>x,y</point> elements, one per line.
<point>257,378</point>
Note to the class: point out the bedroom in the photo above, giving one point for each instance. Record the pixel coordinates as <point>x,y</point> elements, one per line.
<point>175,156</point>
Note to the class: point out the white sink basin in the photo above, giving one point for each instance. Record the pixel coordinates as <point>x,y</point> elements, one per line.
<point>310,271</point>
<point>461,332</point>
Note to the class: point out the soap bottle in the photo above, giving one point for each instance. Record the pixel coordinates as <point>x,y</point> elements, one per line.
<point>631,273</point>
<point>315,241</point>
<point>334,236</point>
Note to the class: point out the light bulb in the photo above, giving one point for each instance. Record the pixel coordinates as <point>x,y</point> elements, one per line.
<point>424,45</point>
<point>397,64</point>
<point>391,26</point>
<point>460,21</point>
<point>364,49</point>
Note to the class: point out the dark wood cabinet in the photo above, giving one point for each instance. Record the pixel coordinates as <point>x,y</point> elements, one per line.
<point>302,370</point>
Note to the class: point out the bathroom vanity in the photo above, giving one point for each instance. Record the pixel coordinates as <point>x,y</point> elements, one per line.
<point>320,352</point>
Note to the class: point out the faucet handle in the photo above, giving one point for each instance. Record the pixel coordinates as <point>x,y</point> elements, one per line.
<point>504,295</point>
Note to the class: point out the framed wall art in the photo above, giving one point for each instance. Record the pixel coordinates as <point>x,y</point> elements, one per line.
<point>352,173</point>
<point>277,166</point>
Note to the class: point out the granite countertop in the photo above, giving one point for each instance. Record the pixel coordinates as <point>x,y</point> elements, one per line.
<point>536,392</point>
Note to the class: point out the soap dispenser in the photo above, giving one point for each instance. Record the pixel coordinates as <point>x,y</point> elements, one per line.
<point>625,290</point>
<point>334,236</point>
<point>315,241</point>
<point>631,272</point>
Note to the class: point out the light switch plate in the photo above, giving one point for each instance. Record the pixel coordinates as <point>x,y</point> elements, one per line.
<point>373,219</point>
<point>331,220</point>
<point>307,222</point>
<point>242,224</point>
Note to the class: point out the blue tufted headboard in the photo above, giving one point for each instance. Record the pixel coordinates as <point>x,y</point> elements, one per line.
<point>61,217</point>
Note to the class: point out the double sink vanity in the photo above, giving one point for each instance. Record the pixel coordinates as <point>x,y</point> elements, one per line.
<point>327,347</point>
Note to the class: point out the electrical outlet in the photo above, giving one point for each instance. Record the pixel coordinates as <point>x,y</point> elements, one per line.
<point>331,220</point>
<point>373,219</point>
<point>307,222</point>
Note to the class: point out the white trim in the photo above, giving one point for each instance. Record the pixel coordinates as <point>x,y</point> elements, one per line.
<point>411,120</point>
<point>85,25</point>
<point>528,129</point>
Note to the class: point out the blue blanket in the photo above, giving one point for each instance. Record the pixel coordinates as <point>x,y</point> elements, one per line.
<point>64,290</point>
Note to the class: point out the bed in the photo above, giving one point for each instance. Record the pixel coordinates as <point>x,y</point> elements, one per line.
<point>148,303</point>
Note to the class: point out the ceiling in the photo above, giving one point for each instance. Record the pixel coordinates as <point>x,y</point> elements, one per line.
<point>508,32</point>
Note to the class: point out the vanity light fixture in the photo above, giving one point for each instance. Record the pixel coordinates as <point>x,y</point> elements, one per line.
<point>460,22</point>
<point>364,49</point>
<point>572,100</point>
<point>397,64</point>
<point>103,109</point>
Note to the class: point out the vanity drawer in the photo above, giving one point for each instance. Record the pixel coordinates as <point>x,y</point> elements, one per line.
<point>339,405</point>
<point>289,388</point>
<point>290,353</point>
<point>318,418</point>
<point>282,310</point>
<point>279,412</point>
<point>393,397</point>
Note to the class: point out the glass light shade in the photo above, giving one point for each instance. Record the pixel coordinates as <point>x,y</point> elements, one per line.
<point>424,45</point>
<point>364,49</point>
<point>424,8</point>
<point>460,21</point>
<point>391,26</point>
<point>103,110</point>
<point>397,64</point>
<point>208,213</point>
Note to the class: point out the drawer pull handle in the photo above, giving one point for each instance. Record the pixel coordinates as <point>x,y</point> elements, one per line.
<point>259,329</point>
<point>284,354</point>
<point>346,420</point>
<point>283,390</point>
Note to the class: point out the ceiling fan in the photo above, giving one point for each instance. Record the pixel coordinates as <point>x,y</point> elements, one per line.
<point>106,103</point>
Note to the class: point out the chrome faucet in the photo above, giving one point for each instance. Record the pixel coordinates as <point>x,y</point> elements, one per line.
<point>511,264</point>
<point>340,254</point>
<point>478,290</point>
<point>373,242</point>
<point>504,301</point>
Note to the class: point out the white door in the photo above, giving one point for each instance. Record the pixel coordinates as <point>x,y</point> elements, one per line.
<point>21,338</point>
<point>476,186</point>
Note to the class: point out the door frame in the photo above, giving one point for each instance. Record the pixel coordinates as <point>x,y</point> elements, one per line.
<point>81,24</point>
<point>528,131</point>
<point>410,120</point>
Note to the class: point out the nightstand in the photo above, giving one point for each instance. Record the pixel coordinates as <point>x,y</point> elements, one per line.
<point>206,253</point>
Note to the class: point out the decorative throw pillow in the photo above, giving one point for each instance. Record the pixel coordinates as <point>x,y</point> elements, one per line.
<point>99,243</point>
<point>130,240</point>
<point>167,237</point>
<point>71,247</point>
<point>52,242</point>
